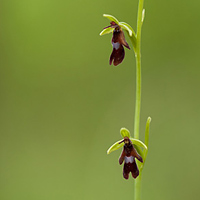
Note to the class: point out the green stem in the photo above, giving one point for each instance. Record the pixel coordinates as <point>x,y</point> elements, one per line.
<point>138,70</point>
<point>137,193</point>
<point>138,95</point>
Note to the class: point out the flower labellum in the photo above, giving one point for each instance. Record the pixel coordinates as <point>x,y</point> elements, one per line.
<point>118,40</point>
<point>128,155</point>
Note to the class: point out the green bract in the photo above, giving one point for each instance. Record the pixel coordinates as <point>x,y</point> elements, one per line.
<point>147,137</point>
<point>147,131</point>
<point>143,15</point>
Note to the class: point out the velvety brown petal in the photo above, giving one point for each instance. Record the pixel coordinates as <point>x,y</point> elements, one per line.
<point>122,40</point>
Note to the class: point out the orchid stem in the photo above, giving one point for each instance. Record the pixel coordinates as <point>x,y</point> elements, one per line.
<point>137,193</point>
<point>138,95</point>
<point>138,70</point>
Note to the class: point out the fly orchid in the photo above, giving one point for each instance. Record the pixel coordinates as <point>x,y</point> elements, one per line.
<point>118,39</point>
<point>129,153</point>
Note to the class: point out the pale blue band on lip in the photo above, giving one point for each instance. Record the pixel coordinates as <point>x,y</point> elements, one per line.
<point>128,159</point>
<point>116,45</point>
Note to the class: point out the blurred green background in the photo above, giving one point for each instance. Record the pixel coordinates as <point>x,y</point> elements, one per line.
<point>62,105</point>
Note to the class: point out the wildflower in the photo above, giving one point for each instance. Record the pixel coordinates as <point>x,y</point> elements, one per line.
<point>118,41</point>
<point>129,153</point>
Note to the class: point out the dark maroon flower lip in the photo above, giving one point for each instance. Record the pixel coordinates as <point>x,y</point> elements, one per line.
<point>128,156</point>
<point>118,41</point>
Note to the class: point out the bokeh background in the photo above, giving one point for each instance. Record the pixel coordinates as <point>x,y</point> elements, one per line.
<point>62,105</point>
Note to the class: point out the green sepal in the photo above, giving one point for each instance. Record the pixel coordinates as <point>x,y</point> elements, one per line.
<point>125,132</point>
<point>130,31</point>
<point>138,143</point>
<point>127,27</point>
<point>106,31</point>
<point>115,146</point>
<point>111,18</point>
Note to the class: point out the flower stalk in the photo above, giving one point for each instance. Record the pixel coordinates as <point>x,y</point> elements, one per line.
<point>140,18</point>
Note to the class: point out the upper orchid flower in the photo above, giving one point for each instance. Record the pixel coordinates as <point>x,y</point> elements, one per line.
<point>118,39</point>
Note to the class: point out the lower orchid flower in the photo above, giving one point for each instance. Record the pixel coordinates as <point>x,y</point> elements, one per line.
<point>129,153</point>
